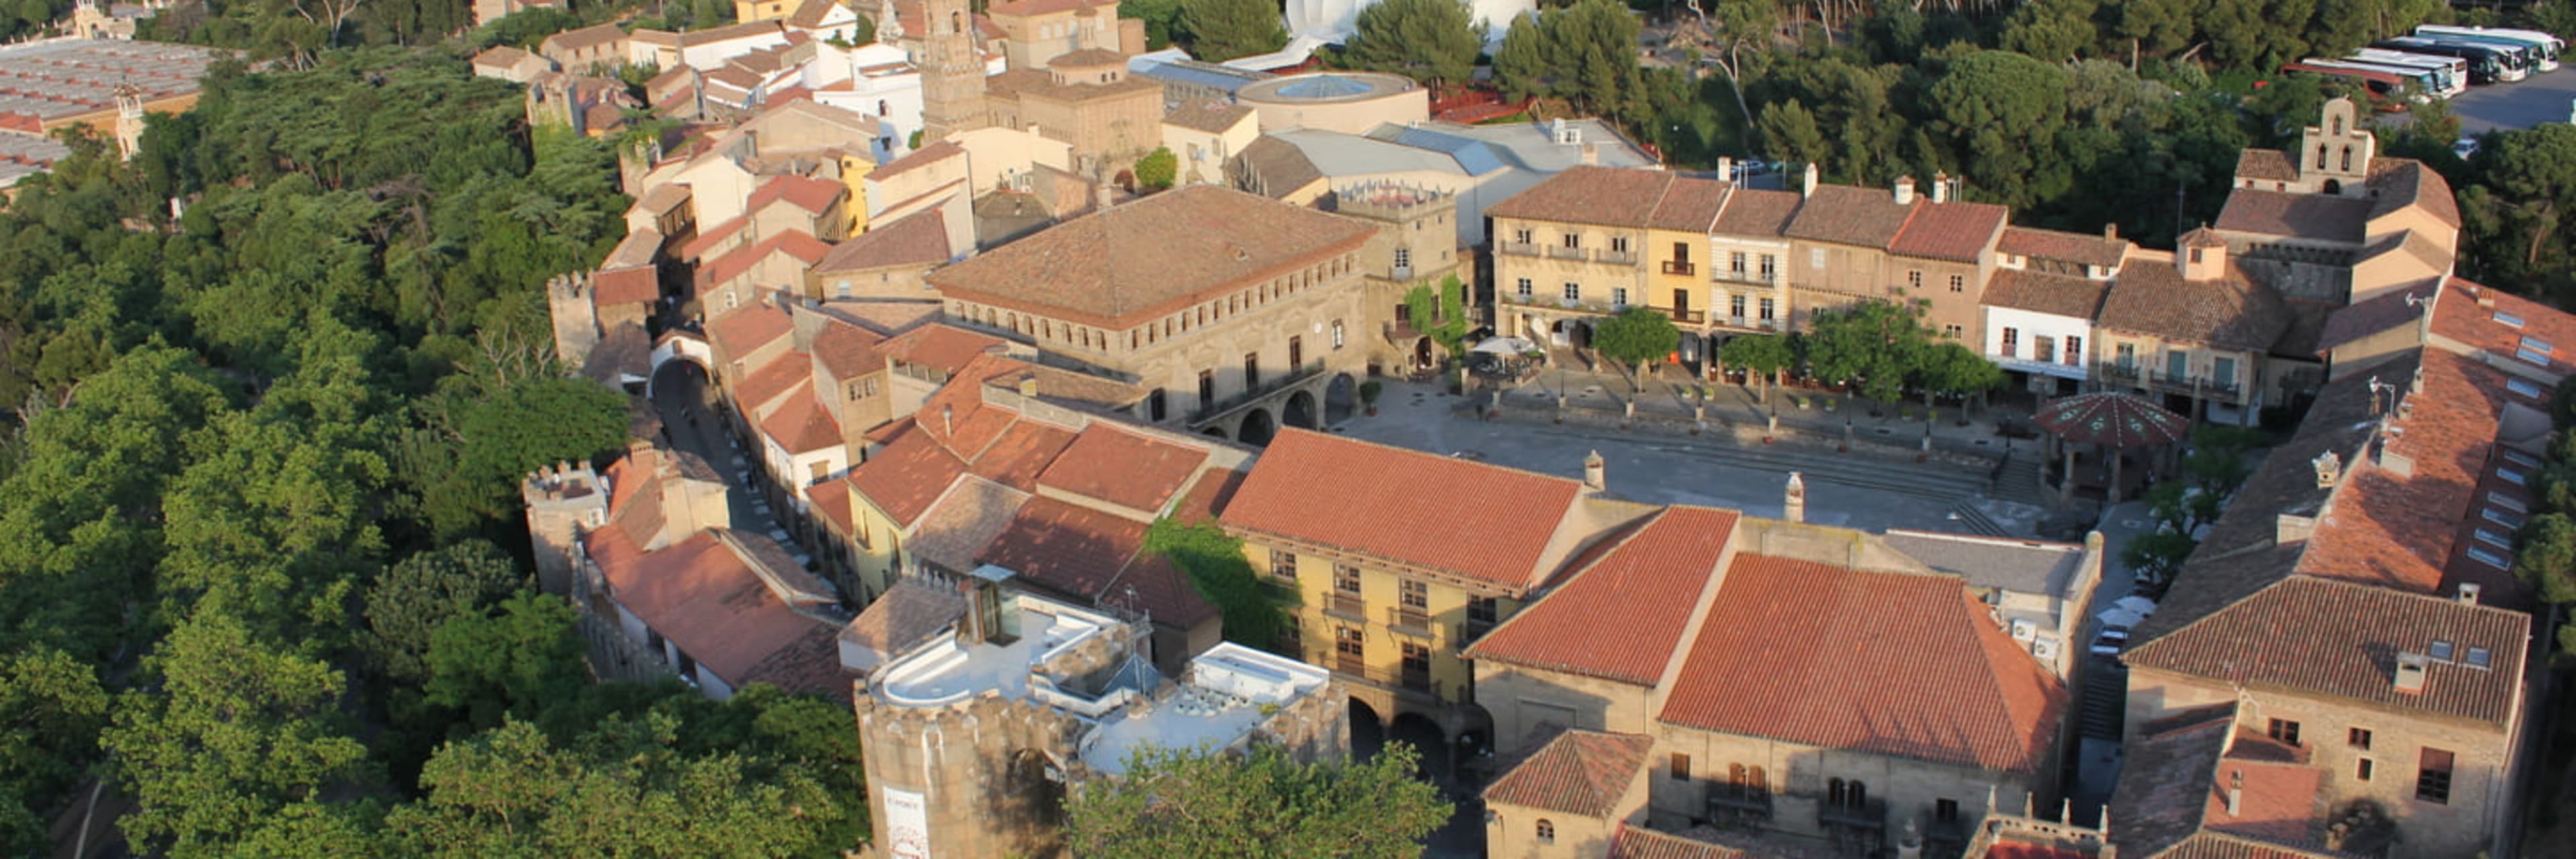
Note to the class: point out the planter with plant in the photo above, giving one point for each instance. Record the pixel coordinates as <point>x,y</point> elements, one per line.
<point>1368,395</point>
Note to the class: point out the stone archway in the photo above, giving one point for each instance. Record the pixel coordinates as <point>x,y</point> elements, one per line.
<point>1258,428</point>
<point>1341,399</point>
<point>1219,432</point>
<point>1299,411</point>
<point>1426,736</point>
<point>1032,791</point>
<point>1368,730</point>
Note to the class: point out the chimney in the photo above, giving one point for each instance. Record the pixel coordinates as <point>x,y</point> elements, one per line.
<point>1810,189</point>
<point>1905,190</point>
<point>2469,592</point>
<point>1941,187</point>
<point>2329,467</point>
<point>1793,507</point>
<point>2111,232</point>
<point>1595,473</point>
<point>2412,670</point>
<point>948,420</point>
<point>1726,168</point>
<point>1029,386</point>
<point>1591,153</point>
<point>1102,193</point>
<point>2201,255</point>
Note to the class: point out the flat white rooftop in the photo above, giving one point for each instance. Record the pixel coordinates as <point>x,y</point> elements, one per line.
<point>950,671</point>
<point>1230,690</point>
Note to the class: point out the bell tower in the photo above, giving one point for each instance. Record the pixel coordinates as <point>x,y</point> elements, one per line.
<point>952,71</point>
<point>129,119</point>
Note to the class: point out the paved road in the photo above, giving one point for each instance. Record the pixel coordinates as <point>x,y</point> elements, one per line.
<point>2523,104</point>
<point>689,417</point>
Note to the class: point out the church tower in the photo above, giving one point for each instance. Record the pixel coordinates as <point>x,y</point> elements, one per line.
<point>952,72</point>
<point>129,119</point>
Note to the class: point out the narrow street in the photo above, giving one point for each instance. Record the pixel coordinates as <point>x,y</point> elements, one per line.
<point>691,419</point>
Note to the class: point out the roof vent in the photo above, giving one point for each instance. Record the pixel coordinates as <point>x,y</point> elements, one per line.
<point>2329,467</point>
<point>2469,592</point>
<point>2412,670</point>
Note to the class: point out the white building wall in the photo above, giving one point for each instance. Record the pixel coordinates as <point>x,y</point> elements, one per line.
<point>2029,324</point>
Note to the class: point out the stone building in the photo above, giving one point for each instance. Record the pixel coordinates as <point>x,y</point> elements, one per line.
<point>974,736</point>
<point>1085,98</point>
<point>1038,31</point>
<point>1570,798</point>
<point>1238,315</point>
<point>2194,328</point>
<point>952,72</point>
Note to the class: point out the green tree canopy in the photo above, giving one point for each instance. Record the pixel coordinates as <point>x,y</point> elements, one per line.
<point>1215,564</point>
<point>425,591</point>
<point>1215,805</point>
<point>516,660</point>
<point>1433,41</point>
<point>1157,169</point>
<point>1222,30</point>
<point>1636,337</point>
<point>1872,345</point>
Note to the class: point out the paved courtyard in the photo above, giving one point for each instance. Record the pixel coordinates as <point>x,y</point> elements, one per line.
<point>1868,493</point>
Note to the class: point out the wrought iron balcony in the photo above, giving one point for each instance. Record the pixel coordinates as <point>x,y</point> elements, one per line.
<point>1731,800</point>
<point>2116,371</point>
<point>1471,629</point>
<point>1692,317</point>
<point>1405,679</point>
<point>2193,384</point>
<point>1871,813</point>
<point>1348,607</point>
<point>1409,621</point>
<point>1680,267</point>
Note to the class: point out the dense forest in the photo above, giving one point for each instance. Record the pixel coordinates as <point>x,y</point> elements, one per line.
<point>257,559</point>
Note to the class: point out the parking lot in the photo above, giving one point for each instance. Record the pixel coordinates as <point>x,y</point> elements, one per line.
<point>2523,104</point>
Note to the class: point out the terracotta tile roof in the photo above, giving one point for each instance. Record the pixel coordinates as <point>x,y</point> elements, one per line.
<point>586,37</point>
<point>908,613</point>
<point>626,286</point>
<point>1278,167</point>
<point>802,425</point>
<point>933,153</point>
<point>769,383</point>
<point>1209,495</point>
<point>746,329</point>
<point>2078,248</point>
<point>2413,245</point>
<point>1130,263</point>
<point>705,598</point>
<point>955,415</point>
<point>1019,453</point>
<point>2232,312</point>
<point>1750,212</point>
<point>501,57</point>
<point>1123,468</point>
<point>1890,663</point>
<point>1087,57</point>
<point>848,350</point>
<point>954,532</point>
<point>1619,197</point>
<point>2481,318</point>
<point>1207,115</point>
<point>810,14</point>
<point>1018,83</point>
<point>744,30</point>
<point>2052,294</point>
<point>1650,579</point>
<point>2307,325</point>
<point>2397,183</point>
<point>1632,842</point>
<point>810,194</point>
<point>1080,552</point>
<point>917,239</point>
<point>709,237</point>
<point>2347,637</point>
<point>945,347</point>
<point>1958,231</point>
<point>2165,783</point>
<point>1843,214</point>
<point>794,243</point>
<point>2271,165</point>
<point>903,479</point>
<point>2377,314</point>
<point>1582,773</point>
<point>1487,523</point>
<point>1162,591</point>
<point>831,500</point>
<point>2296,215</point>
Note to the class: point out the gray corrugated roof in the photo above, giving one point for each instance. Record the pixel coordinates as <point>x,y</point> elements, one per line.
<point>1337,154</point>
<point>2020,566</point>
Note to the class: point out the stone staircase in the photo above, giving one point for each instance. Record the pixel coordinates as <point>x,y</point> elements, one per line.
<point>2020,481</point>
<point>2106,698</point>
<point>1975,521</point>
<point>1919,481</point>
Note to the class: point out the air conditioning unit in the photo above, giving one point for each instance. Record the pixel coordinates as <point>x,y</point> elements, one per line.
<point>2044,648</point>
<point>2024,631</point>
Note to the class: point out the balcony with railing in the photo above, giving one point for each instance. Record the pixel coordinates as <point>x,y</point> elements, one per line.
<point>1348,607</point>
<point>1518,249</point>
<point>1686,317</point>
<point>2115,371</point>
<point>1227,404</point>
<point>1738,802</point>
<point>1615,257</point>
<point>1412,680</point>
<point>2191,383</point>
<point>1869,813</point>
<point>1683,268</point>
<point>1399,272</point>
<point>1563,252</point>
<point>1410,621</point>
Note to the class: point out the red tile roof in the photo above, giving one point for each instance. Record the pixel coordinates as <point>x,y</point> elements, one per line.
<point>1890,663</point>
<point>2380,313</point>
<point>848,351</point>
<point>1019,454</point>
<point>626,286</point>
<point>768,382</point>
<point>947,348</point>
<point>1583,773</point>
<point>933,153</point>
<point>2394,530</point>
<point>1843,214</point>
<point>802,425</point>
<point>1044,7</point>
<point>709,237</point>
<point>2347,639</point>
<point>1619,197</point>
<point>1958,231</point>
<point>917,239</point>
<point>2477,316</point>
<point>831,500</point>
<point>1209,495</point>
<point>807,193</point>
<point>903,479</point>
<point>2271,165</point>
<point>2294,214</point>
<point>2052,294</point>
<point>2079,248</point>
<point>1650,579</point>
<point>2397,183</point>
<point>1486,522</point>
<point>1065,548</point>
<point>1750,212</point>
<point>794,243</point>
<point>1123,467</point>
<point>704,597</point>
<point>746,329</point>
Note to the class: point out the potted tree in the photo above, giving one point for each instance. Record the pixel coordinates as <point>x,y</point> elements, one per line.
<point>1368,395</point>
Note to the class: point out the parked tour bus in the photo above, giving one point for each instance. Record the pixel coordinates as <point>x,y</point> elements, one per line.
<point>2547,45</point>
<point>2486,65</point>
<point>2450,74</point>
<point>2524,55</point>
<point>2427,83</point>
<point>2382,87</point>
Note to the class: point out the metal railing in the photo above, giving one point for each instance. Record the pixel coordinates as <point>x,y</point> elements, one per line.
<point>1680,267</point>
<point>1871,813</point>
<point>1616,257</point>
<point>1409,621</point>
<point>1348,607</point>
<point>1266,387</point>
<point>1726,801</point>
<point>2116,371</point>
<point>1563,252</point>
<point>1402,679</point>
<point>1690,316</point>
<point>1523,249</point>
<point>2192,383</point>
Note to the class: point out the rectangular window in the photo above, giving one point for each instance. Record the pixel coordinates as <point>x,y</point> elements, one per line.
<point>1346,579</point>
<point>2511,476</point>
<point>1619,296</point>
<point>1618,244</point>
<point>1347,642</point>
<point>2358,738</point>
<point>1816,258</point>
<point>1766,310</point>
<point>2043,349</point>
<point>2433,776</point>
<point>2480,658</point>
<point>1251,369</point>
<point>1523,287</point>
<point>1958,283</point>
<point>2222,371</point>
<point>2500,517</point>
<point>2012,343</point>
<point>2126,354</point>
<point>1945,810</point>
<point>1735,263</point>
<point>2177,365</point>
<point>1770,268</point>
<point>1337,335</point>
<point>1296,351</point>
<point>1524,237</point>
<point>1207,387</point>
<point>2361,769</point>
<point>2493,538</point>
<point>2507,502</point>
<point>1413,595</point>
<point>1952,331</point>
<point>1681,252</point>
<point>2523,387</point>
<point>1573,292</point>
<point>1481,610</point>
<point>2074,351</point>
<point>1735,306</point>
<point>2441,651</point>
<point>2508,319</point>
<point>1914,279</point>
<point>1283,565</point>
<point>1403,257</point>
<point>2284,730</point>
<point>1573,240</point>
<point>1679,768</point>
<point>2490,558</point>
<point>1417,659</point>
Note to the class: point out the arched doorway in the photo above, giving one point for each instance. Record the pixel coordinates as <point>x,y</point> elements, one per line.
<point>1341,399</point>
<point>1579,333</point>
<point>1258,428</point>
<point>1422,353</point>
<point>1368,732</point>
<point>1032,791</point>
<point>1300,410</point>
<point>1426,737</point>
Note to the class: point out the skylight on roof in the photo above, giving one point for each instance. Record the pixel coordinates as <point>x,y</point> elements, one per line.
<point>2523,387</point>
<point>2520,458</point>
<point>2537,345</point>
<point>2508,319</point>
<point>2480,658</point>
<point>2510,476</point>
<point>2535,358</point>
<point>2440,651</point>
<point>2507,502</point>
<point>2501,518</point>
<point>2497,539</point>
<point>2488,558</point>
